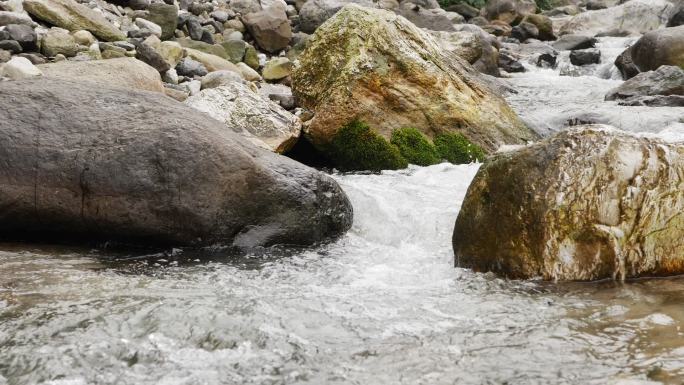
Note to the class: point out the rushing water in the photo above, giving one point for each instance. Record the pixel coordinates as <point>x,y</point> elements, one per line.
<point>382,305</point>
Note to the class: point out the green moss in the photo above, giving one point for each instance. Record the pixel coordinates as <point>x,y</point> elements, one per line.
<point>415,147</point>
<point>455,148</point>
<point>357,147</point>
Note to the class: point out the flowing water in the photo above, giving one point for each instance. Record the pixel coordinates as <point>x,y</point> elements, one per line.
<point>382,305</point>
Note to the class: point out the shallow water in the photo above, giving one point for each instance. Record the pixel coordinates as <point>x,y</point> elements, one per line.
<point>382,305</point>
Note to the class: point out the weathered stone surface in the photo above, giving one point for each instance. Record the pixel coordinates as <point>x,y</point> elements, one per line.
<point>59,41</point>
<point>7,18</point>
<point>277,68</point>
<point>19,68</point>
<point>589,203</point>
<point>375,66</point>
<point>269,27</point>
<point>508,11</point>
<point>666,80</point>
<point>633,17</point>
<point>244,111</point>
<point>24,35</point>
<point>140,168</point>
<point>219,78</point>
<point>165,16</point>
<point>625,64</point>
<point>472,44</point>
<point>582,57</point>
<point>316,12</point>
<point>571,42</point>
<point>211,62</point>
<point>73,16</point>
<point>128,73</point>
<point>662,47</point>
<point>432,19</point>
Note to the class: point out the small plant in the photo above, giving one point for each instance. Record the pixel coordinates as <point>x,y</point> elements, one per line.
<point>415,147</point>
<point>357,147</point>
<point>456,149</point>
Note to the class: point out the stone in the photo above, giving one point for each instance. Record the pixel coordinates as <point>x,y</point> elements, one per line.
<point>195,30</point>
<point>524,31</point>
<point>432,19</point>
<point>244,7</point>
<point>242,110</point>
<point>662,47</point>
<point>84,37</point>
<point>59,41</point>
<point>34,58</point>
<point>19,68</point>
<point>235,25</point>
<point>178,95</point>
<point>190,68</point>
<point>464,9</point>
<point>211,62</point>
<point>171,51</point>
<point>148,25</point>
<point>315,12</point>
<point>666,80</point>
<point>165,16</point>
<point>11,46</point>
<point>170,76</point>
<point>573,42</point>
<point>625,64</point>
<point>125,73</point>
<point>212,49</point>
<point>473,45</point>
<point>111,51</point>
<point>5,56</point>
<point>270,28</point>
<point>192,87</point>
<point>73,16</point>
<point>148,52</point>
<point>248,72</point>
<point>251,57</point>
<point>544,25</point>
<point>279,93</point>
<point>634,17</point>
<point>138,168</point>
<point>677,19</point>
<point>375,66</point>
<point>277,68</point>
<point>585,56</point>
<point>653,101</point>
<point>220,16</point>
<point>24,35</point>
<point>219,78</point>
<point>7,18</point>
<point>588,203</point>
<point>235,50</point>
<point>508,11</point>
<point>509,63</point>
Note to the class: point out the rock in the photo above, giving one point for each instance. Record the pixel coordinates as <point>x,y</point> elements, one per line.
<point>524,31</point>
<point>277,68</point>
<point>139,168</point>
<point>34,58</point>
<point>432,19</point>
<point>24,35</point>
<point>316,12</point>
<point>5,56</point>
<point>473,45</point>
<point>248,73</point>
<point>110,51</point>
<point>633,17</point>
<point>509,11</point>
<point>170,76</point>
<point>165,16</point>
<point>178,95</point>
<point>573,42</point>
<point>588,203</point>
<point>270,28</point>
<point>7,18</point>
<point>544,25</point>
<point>666,80</point>
<point>654,101</point>
<point>191,68</point>
<point>192,87</point>
<point>73,16</point>
<point>148,51</point>
<point>195,29</point>
<point>245,6</point>
<point>625,64</point>
<point>566,10</point>
<point>212,49</point>
<point>479,21</point>
<point>585,56</point>
<point>464,9</point>
<point>126,73</point>
<point>593,5</point>
<point>219,78</point>
<point>220,16</point>
<point>279,93</point>
<point>251,57</point>
<point>677,19</point>
<point>84,37</point>
<point>19,68</point>
<point>11,46</point>
<point>171,51</point>
<point>661,47</point>
<point>148,25</point>
<point>235,50</point>
<point>260,120</point>
<point>377,67</point>
<point>538,53</point>
<point>510,64</point>
<point>211,62</point>
<point>59,41</point>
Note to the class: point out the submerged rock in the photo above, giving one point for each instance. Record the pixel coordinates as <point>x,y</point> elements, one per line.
<point>99,164</point>
<point>588,203</point>
<point>376,67</point>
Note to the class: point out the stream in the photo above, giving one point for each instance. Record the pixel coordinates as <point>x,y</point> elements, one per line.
<point>381,305</point>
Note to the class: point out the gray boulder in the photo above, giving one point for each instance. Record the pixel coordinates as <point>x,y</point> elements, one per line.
<point>665,81</point>
<point>165,16</point>
<point>582,57</point>
<point>633,18</point>
<point>625,64</point>
<point>572,42</point>
<point>139,168</point>
<point>270,28</point>
<point>588,203</point>
<point>662,47</point>
<point>315,12</point>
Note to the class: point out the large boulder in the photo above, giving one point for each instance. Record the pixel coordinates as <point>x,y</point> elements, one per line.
<point>270,27</point>
<point>316,12</point>
<point>244,111</point>
<point>374,66</point>
<point>665,81</point>
<point>634,17</point>
<point>126,73</point>
<point>662,47</point>
<point>83,164</point>
<point>508,11</point>
<point>73,16</point>
<point>589,203</point>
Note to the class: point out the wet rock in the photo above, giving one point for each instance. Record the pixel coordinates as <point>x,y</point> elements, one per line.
<point>625,64</point>
<point>634,17</point>
<point>573,42</point>
<point>19,68</point>
<point>394,80</point>
<point>585,56</point>
<point>588,203</point>
<point>509,11</point>
<point>126,73</point>
<point>243,110</point>
<point>191,68</point>
<point>136,176</point>
<point>269,27</point>
<point>666,80</point>
<point>165,16</point>
<point>73,16</point>
<point>661,47</point>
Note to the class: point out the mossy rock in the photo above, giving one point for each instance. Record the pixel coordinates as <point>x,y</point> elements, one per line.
<point>456,149</point>
<point>356,147</point>
<point>415,147</point>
